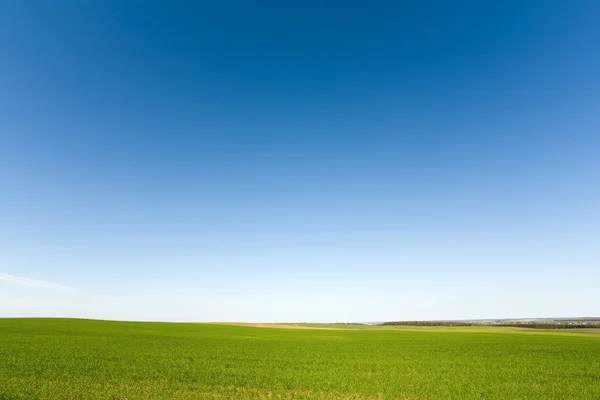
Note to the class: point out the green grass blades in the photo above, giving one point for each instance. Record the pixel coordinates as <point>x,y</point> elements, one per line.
<point>83,359</point>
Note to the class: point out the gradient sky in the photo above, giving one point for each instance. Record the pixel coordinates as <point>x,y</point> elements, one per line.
<point>299,161</point>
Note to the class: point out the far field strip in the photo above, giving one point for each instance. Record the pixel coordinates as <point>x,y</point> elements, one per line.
<point>352,327</point>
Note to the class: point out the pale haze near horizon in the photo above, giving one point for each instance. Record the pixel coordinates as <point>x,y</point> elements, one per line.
<point>299,163</point>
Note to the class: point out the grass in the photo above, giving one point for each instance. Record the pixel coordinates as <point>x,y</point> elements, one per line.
<point>84,359</point>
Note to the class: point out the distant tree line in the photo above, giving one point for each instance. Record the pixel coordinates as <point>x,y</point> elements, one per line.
<point>532,325</point>
<point>429,323</point>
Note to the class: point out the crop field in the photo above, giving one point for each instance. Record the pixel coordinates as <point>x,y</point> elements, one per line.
<point>86,359</point>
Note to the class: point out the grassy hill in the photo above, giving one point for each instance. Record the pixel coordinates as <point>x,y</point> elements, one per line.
<point>85,359</point>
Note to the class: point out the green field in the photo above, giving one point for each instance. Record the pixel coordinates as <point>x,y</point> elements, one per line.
<point>84,359</point>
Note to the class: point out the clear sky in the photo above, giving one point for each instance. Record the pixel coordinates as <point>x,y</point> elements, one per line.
<point>299,161</point>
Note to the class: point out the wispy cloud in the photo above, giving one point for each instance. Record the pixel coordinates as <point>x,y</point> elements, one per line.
<point>23,281</point>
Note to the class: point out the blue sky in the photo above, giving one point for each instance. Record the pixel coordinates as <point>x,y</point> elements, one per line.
<point>318,161</point>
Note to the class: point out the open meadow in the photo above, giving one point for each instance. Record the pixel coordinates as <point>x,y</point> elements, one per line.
<point>88,359</point>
